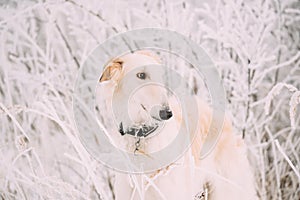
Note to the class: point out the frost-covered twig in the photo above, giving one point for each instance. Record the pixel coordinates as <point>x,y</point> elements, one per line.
<point>287,159</point>
<point>294,101</point>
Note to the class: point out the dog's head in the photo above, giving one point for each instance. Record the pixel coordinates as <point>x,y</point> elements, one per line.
<point>148,104</point>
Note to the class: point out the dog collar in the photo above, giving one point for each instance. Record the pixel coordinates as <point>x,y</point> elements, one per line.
<point>142,131</point>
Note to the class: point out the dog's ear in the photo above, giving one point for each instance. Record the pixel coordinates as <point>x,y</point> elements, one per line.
<point>112,72</point>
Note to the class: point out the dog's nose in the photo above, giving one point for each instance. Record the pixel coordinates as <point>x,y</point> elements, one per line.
<point>165,114</point>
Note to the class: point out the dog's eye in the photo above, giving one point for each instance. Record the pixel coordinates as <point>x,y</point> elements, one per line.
<point>141,75</point>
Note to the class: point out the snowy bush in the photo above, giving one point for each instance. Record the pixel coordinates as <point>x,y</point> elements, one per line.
<point>254,44</point>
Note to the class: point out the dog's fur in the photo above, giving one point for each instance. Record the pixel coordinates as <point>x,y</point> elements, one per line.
<point>224,174</point>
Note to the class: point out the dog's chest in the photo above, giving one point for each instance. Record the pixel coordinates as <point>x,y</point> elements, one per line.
<point>181,180</point>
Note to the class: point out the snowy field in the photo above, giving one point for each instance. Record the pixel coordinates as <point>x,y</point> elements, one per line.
<point>254,44</point>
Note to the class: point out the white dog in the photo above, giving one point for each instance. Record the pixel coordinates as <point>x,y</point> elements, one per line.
<point>154,120</point>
